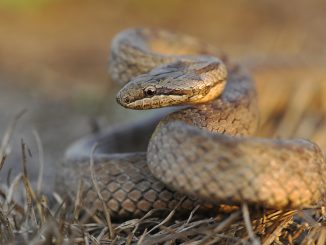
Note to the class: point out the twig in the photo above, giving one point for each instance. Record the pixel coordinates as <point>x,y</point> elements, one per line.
<point>97,189</point>
<point>223,225</point>
<point>78,206</point>
<point>192,214</point>
<point>246,218</point>
<point>142,237</point>
<point>170,215</point>
<point>277,232</point>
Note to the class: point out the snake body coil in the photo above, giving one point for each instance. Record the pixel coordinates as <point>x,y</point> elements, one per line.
<point>202,150</point>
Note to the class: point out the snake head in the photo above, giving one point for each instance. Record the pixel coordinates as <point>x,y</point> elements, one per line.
<point>178,83</point>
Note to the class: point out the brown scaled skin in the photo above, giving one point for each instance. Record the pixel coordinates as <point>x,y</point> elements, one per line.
<point>202,151</point>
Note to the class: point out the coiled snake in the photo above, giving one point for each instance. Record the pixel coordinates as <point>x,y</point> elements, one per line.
<point>201,150</point>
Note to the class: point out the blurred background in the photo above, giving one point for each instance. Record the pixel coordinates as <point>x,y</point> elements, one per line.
<point>54,53</point>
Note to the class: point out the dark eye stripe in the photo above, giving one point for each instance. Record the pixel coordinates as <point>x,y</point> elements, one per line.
<point>167,91</point>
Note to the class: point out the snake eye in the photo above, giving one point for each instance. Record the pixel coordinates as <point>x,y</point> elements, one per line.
<point>150,91</point>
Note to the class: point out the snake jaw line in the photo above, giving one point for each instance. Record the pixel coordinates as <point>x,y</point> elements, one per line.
<point>156,101</point>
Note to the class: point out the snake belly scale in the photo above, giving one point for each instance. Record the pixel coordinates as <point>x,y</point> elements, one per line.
<point>203,150</point>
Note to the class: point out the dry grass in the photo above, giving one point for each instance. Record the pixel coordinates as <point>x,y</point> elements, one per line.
<point>32,221</point>
<point>68,56</point>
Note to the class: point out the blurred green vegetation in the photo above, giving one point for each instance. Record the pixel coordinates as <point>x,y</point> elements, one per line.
<point>22,4</point>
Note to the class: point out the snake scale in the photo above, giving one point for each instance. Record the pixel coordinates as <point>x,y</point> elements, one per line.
<point>203,149</point>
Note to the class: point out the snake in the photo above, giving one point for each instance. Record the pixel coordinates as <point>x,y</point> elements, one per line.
<point>200,149</point>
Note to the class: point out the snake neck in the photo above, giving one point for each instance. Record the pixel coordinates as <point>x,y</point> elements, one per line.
<point>235,112</point>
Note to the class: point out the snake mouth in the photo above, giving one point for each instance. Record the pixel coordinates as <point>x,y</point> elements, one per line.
<point>157,101</point>
<point>137,99</point>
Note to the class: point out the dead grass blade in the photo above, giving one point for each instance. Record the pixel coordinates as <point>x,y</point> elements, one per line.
<point>41,162</point>
<point>247,221</point>
<point>97,189</point>
<point>4,148</point>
